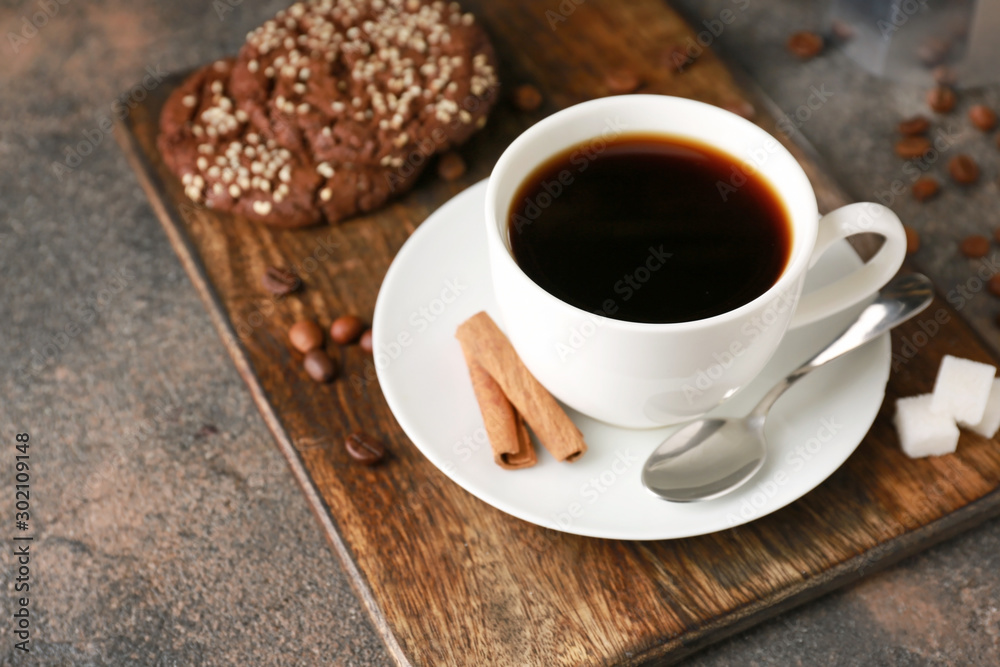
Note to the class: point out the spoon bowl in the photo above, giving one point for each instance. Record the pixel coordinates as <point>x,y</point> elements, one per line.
<point>709,468</point>
<point>709,458</point>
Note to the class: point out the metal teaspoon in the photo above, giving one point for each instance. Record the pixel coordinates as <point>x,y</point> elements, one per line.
<point>708,458</point>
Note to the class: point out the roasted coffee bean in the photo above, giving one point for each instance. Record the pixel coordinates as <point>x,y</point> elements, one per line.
<point>963,169</point>
<point>994,284</point>
<point>975,246</point>
<point>364,449</point>
<point>346,329</point>
<point>365,342</point>
<point>941,99</point>
<point>280,282</point>
<point>621,81</point>
<point>305,335</point>
<point>924,188</point>
<point>527,97</point>
<point>912,147</point>
<point>983,117</point>
<point>319,366</point>
<point>451,166</point>
<point>912,127</point>
<point>805,44</point>
<point>912,240</point>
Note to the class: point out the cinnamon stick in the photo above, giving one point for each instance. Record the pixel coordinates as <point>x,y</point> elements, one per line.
<point>508,436</point>
<point>483,342</point>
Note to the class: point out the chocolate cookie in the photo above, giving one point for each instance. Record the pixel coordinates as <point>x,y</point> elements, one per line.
<point>330,108</point>
<point>225,163</point>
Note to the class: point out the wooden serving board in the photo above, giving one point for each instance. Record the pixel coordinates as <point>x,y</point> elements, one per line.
<point>449,580</point>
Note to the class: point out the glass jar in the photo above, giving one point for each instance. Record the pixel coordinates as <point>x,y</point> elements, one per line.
<point>952,41</point>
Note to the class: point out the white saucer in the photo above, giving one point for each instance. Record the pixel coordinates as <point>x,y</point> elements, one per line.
<point>440,277</point>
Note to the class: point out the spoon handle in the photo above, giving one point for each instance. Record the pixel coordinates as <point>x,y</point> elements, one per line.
<point>902,298</point>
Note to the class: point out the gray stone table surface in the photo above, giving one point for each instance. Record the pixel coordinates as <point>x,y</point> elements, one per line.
<point>167,528</point>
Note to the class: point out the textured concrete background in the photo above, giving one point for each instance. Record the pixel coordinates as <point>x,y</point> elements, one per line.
<point>168,530</point>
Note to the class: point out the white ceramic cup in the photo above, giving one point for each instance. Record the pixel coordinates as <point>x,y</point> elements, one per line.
<point>641,375</point>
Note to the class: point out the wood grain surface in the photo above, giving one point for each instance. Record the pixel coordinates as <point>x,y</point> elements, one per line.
<point>449,580</point>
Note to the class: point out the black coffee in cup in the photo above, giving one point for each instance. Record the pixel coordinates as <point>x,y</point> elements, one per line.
<point>649,228</point>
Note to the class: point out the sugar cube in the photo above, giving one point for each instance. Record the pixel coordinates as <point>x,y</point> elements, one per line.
<point>923,432</point>
<point>990,423</point>
<point>962,388</point>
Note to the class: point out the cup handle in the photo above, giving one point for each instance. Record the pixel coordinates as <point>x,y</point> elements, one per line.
<point>862,283</point>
